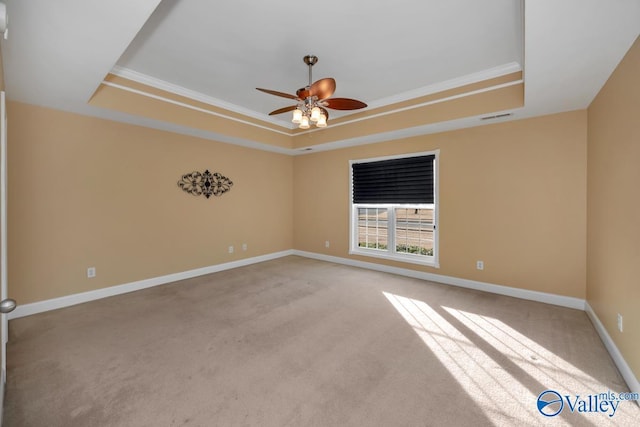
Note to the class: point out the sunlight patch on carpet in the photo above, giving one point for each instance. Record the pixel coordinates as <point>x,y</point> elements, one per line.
<point>501,396</point>
<point>547,367</point>
<point>501,370</point>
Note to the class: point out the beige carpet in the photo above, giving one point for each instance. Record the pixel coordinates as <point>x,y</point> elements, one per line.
<point>299,342</point>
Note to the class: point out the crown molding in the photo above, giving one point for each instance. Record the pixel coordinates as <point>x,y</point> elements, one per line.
<point>449,125</point>
<point>468,79</point>
<point>490,73</point>
<point>430,128</point>
<point>189,106</point>
<point>422,104</point>
<point>118,116</point>
<point>460,123</point>
<point>192,94</point>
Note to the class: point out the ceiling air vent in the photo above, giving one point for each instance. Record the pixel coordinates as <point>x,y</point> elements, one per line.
<point>497,116</point>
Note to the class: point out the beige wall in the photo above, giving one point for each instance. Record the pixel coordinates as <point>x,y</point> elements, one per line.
<point>613,272</point>
<point>511,194</point>
<point>88,192</point>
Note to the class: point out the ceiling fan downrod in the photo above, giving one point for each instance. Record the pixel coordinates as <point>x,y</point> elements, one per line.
<point>310,60</point>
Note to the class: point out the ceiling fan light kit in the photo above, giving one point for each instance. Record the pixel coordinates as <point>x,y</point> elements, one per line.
<point>313,100</point>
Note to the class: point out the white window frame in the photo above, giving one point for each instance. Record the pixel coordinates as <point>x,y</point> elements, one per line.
<point>390,253</point>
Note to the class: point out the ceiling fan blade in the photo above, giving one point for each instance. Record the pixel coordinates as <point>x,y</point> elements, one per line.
<point>276,93</point>
<point>344,104</point>
<point>303,92</point>
<point>283,110</point>
<point>323,88</point>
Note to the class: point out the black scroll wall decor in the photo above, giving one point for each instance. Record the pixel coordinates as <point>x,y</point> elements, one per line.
<point>205,183</point>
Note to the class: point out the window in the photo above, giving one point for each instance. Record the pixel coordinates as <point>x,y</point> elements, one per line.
<point>394,208</point>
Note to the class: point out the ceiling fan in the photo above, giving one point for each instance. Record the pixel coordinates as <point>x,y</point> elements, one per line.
<point>314,99</point>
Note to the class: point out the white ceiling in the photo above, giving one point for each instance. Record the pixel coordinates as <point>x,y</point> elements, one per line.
<point>58,52</point>
<point>374,50</point>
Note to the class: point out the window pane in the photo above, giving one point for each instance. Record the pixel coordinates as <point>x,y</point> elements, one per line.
<point>372,228</point>
<point>414,231</point>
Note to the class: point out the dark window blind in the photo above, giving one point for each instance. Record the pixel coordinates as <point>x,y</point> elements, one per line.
<point>406,180</point>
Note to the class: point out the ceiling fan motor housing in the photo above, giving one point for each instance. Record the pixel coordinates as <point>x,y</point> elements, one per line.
<point>310,60</point>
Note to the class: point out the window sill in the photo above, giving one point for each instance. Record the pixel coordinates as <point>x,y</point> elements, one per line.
<point>412,259</point>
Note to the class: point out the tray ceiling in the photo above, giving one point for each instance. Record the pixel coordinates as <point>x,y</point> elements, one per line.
<point>59,53</point>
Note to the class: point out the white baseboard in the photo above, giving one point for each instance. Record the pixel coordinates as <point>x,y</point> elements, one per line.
<point>69,300</point>
<point>623,367</point>
<point>560,300</point>
<point>563,301</point>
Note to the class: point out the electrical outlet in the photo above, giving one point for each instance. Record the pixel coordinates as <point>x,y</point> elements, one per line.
<point>230,249</point>
<point>326,244</point>
<point>480,265</point>
<point>91,272</point>
<point>244,246</point>
<point>620,322</point>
